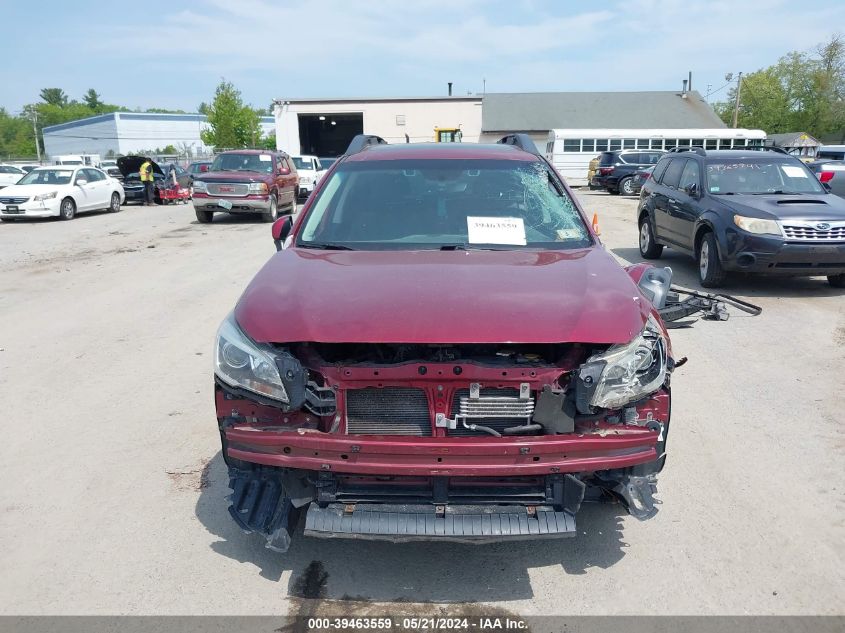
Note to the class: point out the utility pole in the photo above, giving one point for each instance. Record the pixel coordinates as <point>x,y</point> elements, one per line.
<point>35,130</point>
<point>736,103</point>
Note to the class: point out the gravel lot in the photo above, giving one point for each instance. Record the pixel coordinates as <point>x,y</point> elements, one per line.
<point>113,495</point>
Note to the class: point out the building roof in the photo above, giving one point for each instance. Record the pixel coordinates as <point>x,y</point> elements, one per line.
<point>793,139</point>
<point>136,116</point>
<point>311,101</point>
<point>543,111</point>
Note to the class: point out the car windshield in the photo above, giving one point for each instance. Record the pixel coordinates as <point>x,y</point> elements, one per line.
<point>195,168</point>
<point>243,162</point>
<point>748,176</point>
<point>47,177</point>
<point>443,204</point>
<point>327,162</point>
<point>303,163</point>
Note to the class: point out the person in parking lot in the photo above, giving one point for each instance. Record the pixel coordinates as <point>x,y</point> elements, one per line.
<point>146,173</point>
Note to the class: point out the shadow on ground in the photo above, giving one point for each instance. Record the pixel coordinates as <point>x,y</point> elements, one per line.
<point>411,572</point>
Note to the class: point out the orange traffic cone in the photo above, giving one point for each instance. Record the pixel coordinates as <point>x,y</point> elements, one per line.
<point>596,224</point>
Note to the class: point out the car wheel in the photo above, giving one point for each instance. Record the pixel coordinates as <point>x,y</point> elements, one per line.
<point>204,216</point>
<point>67,209</point>
<point>273,213</point>
<point>613,192</point>
<point>627,186</point>
<point>837,281</point>
<point>294,206</point>
<point>710,271</point>
<point>114,207</point>
<point>649,248</point>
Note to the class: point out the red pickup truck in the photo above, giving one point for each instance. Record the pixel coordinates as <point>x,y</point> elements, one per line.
<point>442,349</point>
<point>247,181</point>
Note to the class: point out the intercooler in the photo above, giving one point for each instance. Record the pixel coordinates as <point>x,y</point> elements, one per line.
<point>503,405</point>
<point>387,411</point>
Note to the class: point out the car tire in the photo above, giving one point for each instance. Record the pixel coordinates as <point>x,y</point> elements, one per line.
<point>272,214</point>
<point>67,209</point>
<point>626,186</point>
<point>710,271</point>
<point>294,206</point>
<point>649,248</point>
<point>837,281</point>
<point>203,216</point>
<point>613,192</point>
<point>114,206</point>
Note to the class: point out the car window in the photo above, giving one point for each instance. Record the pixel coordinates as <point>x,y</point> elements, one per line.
<point>751,176</point>
<point>651,158</point>
<point>673,172</point>
<point>47,177</point>
<point>95,175</point>
<point>417,204</point>
<point>607,158</point>
<point>690,175</point>
<point>6,169</point>
<point>659,169</point>
<point>303,163</point>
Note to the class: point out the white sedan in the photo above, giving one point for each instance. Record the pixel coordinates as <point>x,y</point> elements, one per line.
<point>10,174</point>
<point>60,191</point>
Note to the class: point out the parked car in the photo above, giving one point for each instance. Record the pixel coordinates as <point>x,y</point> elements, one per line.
<point>831,152</point>
<point>130,167</point>
<point>10,174</point>
<point>743,210</point>
<point>327,162</point>
<point>199,167</point>
<point>592,168</point>
<point>247,181</point>
<point>310,171</point>
<point>616,169</point>
<point>110,167</point>
<point>832,174</point>
<point>62,192</point>
<point>521,366</point>
<point>28,167</point>
<point>640,176</point>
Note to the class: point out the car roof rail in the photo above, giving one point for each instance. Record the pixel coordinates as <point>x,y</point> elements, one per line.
<point>522,141</point>
<point>363,141</point>
<point>764,148</point>
<point>689,148</point>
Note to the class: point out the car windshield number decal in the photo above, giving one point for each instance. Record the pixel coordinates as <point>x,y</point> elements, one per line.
<point>264,158</point>
<point>481,230</point>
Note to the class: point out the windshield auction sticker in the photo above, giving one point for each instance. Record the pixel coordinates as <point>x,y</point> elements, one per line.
<point>495,231</point>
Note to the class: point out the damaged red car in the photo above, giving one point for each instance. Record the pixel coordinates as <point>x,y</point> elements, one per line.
<point>441,349</point>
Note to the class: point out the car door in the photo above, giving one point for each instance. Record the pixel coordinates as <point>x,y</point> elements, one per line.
<point>82,191</point>
<point>666,200</point>
<point>286,179</point>
<point>685,212</point>
<point>100,187</point>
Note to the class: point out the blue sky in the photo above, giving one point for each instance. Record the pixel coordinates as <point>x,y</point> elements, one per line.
<point>175,56</point>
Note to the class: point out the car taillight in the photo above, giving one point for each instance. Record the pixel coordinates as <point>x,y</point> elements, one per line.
<point>826,176</point>
<point>605,171</point>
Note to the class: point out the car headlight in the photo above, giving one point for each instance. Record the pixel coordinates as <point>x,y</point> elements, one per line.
<point>45,196</point>
<point>624,373</point>
<point>757,225</point>
<point>199,185</point>
<point>240,362</point>
<point>258,187</point>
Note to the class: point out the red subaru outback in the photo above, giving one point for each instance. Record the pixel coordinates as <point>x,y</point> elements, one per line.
<point>442,349</point>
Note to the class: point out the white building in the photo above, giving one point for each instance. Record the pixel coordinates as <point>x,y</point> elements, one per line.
<point>122,133</point>
<point>324,127</point>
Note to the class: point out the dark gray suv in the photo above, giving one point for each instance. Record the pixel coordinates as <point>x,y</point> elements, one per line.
<point>616,169</point>
<point>743,210</point>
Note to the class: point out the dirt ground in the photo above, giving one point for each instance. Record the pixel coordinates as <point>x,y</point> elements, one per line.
<point>113,495</point>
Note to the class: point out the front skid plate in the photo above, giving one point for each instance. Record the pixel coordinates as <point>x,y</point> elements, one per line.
<point>471,524</point>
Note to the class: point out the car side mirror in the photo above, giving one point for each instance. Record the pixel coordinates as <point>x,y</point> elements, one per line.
<point>283,171</point>
<point>81,181</point>
<point>281,230</point>
<point>691,190</point>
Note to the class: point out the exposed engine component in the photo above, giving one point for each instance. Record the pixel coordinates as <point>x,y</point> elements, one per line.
<point>494,405</point>
<point>529,355</point>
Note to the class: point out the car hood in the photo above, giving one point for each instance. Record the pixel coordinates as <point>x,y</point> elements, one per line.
<point>233,176</point>
<point>823,206</point>
<point>129,165</point>
<point>20,191</point>
<point>442,297</point>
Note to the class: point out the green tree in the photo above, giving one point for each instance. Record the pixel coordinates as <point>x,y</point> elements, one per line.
<point>54,96</point>
<point>92,100</point>
<point>803,92</point>
<point>232,124</point>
